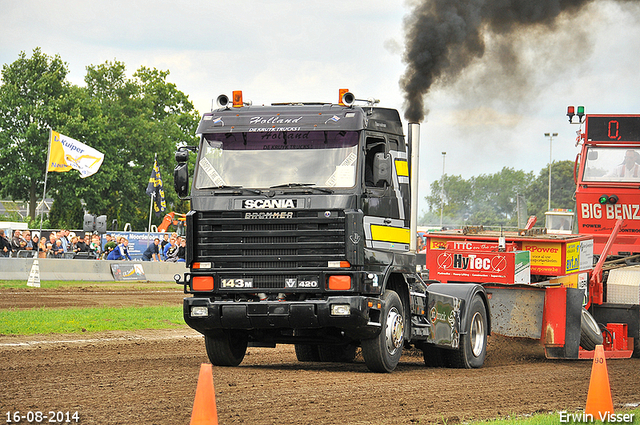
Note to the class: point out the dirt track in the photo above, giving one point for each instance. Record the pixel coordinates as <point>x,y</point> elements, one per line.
<point>150,377</point>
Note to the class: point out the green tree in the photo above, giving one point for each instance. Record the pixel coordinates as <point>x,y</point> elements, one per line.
<point>133,119</point>
<point>494,197</point>
<point>456,196</point>
<point>130,120</point>
<point>33,97</point>
<point>488,199</point>
<point>66,213</point>
<point>563,188</point>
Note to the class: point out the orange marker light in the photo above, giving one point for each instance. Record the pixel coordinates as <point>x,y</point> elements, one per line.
<point>340,93</point>
<point>202,283</point>
<point>237,99</point>
<point>339,283</point>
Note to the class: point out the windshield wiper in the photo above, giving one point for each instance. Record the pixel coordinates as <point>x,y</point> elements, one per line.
<point>256,191</point>
<point>310,185</point>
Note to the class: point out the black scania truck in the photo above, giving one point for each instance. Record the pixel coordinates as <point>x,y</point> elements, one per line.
<point>302,231</point>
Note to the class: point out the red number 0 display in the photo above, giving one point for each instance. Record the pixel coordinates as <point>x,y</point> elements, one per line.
<point>614,130</point>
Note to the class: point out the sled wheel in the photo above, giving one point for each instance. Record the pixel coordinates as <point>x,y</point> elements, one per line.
<point>590,333</point>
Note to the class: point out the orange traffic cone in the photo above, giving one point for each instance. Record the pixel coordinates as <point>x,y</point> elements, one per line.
<point>205,411</point>
<point>599,402</point>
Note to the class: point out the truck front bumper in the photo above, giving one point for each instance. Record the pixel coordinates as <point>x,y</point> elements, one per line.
<point>358,316</point>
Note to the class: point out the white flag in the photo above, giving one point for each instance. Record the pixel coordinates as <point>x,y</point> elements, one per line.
<point>66,153</point>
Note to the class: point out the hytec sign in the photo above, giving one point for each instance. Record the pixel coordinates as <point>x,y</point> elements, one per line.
<point>554,256</point>
<point>475,266</point>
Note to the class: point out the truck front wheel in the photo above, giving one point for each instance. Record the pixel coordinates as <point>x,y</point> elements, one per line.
<point>226,348</point>
<point>382,353</point>
<point>473,344</point>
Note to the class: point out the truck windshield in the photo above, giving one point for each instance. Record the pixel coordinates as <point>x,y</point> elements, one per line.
<point>267,159</point>
<point>612,164</point>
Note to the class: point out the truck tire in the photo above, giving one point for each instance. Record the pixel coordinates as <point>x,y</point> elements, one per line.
<point>473,343</point>
<point>307,353</point>
<point>382,353</point>
<point>226,348</point>
<point>433,356</point>
<point>590,333</point>
<point>337,353</point>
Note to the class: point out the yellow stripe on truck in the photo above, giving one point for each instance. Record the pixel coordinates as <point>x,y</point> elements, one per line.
<point>402,167</point>
<point>390,234</point>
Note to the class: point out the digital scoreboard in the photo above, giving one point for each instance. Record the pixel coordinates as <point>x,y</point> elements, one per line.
<point>612,128</point>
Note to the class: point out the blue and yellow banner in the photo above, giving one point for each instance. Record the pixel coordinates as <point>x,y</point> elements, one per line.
<point>156,190</point>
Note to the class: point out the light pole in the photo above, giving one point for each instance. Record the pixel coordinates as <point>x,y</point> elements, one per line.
<point>442,189</point>
<point>550,136</point>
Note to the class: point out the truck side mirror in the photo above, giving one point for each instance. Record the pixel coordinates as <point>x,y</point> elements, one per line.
<point>181,173</point>
<point>181,179</point>
<point>382,169</point>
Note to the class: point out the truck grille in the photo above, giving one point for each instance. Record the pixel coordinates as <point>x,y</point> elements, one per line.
<point>304,240</point>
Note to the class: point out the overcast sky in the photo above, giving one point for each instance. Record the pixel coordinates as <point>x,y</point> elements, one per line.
<point>276,51</point>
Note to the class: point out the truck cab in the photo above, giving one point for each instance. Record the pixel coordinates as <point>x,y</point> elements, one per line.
<point>300,232</point>
<point>607,179</point>
<point>608,209</point>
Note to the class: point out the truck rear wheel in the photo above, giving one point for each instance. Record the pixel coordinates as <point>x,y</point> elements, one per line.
<point>307,353</point>
<point>590,333</point>
<point>226,348</point>
<point>473,344</point>
<point>382,353</point>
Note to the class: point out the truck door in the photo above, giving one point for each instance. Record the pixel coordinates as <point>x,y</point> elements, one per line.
<point>384,207</point>
<point>379,198</point>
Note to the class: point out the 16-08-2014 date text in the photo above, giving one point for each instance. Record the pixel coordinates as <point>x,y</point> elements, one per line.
<point>37,417</point>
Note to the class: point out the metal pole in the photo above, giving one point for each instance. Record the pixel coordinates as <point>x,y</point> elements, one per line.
<point>155,159</point>
<point>44,190</point>
<point>550,136</point>
<point>414,141</point>
<point>442,189</point>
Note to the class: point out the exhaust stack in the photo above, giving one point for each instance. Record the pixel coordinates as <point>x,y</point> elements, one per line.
<point>414,146</point>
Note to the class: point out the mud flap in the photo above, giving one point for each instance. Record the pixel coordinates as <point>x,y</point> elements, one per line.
<point>562,322</point>
<point>444,315</point>
<point>447,310</point>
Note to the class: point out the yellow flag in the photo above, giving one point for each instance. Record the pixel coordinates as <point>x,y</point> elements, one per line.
<point>67,153</point>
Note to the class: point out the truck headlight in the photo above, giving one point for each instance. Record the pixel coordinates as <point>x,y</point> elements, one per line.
<point>340,310</point>
<point>199,311</point>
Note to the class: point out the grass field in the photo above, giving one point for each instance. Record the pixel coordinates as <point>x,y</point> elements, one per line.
<point>51,284</point>
<point>98,319</point>
<point>629,416</point>
<point>75,320</point>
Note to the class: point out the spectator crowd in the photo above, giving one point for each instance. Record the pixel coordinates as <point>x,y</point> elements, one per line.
<point>66,244</point>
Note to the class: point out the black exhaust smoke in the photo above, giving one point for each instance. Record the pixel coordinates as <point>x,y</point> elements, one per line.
<point>444,36</point>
